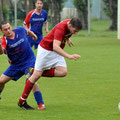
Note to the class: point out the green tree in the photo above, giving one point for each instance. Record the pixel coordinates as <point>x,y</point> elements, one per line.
<point>1,11</point>
<point>55,7</point>
<point>55,12</point>
<point>5,12</point>
<point>111,11</point>
<point>82,8</point>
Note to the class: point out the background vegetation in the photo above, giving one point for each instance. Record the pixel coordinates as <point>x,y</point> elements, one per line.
<point>54,7</point>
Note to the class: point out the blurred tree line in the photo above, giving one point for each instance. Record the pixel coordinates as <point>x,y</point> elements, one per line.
<point>110,10</point>
<point>54,7</point>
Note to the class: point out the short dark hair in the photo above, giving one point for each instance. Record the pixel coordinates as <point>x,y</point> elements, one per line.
<point>76,23</point>
<point>39,0</point>
<point>3,23</point>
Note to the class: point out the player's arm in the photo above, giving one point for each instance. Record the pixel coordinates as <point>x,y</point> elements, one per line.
<point>46,26</point>
<point>25,26</point>
<point>69,42</point>
<point>26,23</point>
<point>32,34</point>
<point>60,51</point>
<point>1,49</point>
<point>29,32</point>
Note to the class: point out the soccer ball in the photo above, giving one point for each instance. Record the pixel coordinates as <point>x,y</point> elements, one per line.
<point>119,105</point>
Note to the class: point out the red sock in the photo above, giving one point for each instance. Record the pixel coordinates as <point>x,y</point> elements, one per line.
<point>26,92</point>
<point>49,73</point>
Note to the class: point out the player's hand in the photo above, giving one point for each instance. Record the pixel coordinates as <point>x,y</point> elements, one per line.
<point>32,34</point>
<point>35,37</point>
<point>74,56</point>
<point>69,42</point>
<point>46,30</point>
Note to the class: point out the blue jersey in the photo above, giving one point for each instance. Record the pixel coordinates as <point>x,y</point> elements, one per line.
<point>18,49</point>
<point>35,22</point>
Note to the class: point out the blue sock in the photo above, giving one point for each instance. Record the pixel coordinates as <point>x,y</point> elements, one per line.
<point>38,97</point>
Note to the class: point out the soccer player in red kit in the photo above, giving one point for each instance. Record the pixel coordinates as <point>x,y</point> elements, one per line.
<point>50,54</point>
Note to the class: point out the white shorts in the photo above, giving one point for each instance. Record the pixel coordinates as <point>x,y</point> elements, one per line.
<point>48,59</point>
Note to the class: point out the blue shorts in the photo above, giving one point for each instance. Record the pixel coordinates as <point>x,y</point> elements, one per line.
<point>35,43</point>
<point>17,72</point>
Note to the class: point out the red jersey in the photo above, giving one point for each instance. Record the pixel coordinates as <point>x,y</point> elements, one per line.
<point>60,32</point>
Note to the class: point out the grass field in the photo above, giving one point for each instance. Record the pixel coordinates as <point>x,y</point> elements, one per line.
<point>91,90</point>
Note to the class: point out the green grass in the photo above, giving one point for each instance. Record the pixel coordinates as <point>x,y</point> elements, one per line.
<point>91,90</point>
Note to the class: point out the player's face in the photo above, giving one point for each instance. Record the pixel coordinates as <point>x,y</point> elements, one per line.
<point>39,5</point>
<point>73,30</point>
<point>7,30</point>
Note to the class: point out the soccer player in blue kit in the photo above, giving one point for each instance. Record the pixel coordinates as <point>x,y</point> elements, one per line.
<point>34,21</point>
<point>15,45</point>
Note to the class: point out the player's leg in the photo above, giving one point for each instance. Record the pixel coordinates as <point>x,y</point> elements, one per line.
<point>3,80</point>
<point>46,73</point>
<point>59,69</point>
<point>36,90</point>
<point>29,85</point>
<point>15,73</point>
<point>6,76</point>
<point>27,89</point>
<point>38,97</point>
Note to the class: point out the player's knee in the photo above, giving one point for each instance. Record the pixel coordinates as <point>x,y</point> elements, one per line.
<point>2,81</point>
<point>36,76</point>
<point>64,73</point>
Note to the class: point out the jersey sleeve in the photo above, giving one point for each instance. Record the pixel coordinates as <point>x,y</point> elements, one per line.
<point>21,30</point>
<point>58,34</point>
<point>27,19</point>
<point>4,44</point>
